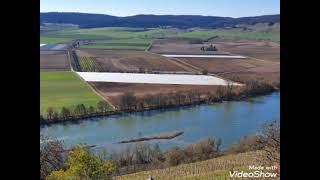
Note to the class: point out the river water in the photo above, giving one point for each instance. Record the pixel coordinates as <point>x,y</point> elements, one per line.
<point>228,121</point>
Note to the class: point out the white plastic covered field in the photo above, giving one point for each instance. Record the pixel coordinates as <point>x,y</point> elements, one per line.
<point>153,78</point>
<point>203,56</point>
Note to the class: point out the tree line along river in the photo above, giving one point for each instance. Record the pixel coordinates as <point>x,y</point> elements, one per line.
<point>227,120</point>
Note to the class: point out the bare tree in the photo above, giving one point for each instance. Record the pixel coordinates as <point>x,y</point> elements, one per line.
<point>51,157</point>
<point>128,101</point>
<point>49,113</point>
<point>269,141</point>
<point>65,113</point>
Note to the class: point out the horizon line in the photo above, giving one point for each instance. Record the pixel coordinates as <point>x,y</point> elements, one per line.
<point>159,14</point>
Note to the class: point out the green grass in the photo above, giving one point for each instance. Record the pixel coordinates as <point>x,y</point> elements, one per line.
<point>112,32</point>
<point>58,89</point>
<point>141,36</point>
<point>53,40</point>
<point>205,34</point>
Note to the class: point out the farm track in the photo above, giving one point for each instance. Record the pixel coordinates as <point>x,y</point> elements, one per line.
<point>90,86</point>
<point>69,60</point>
<point>103,97</point>
<point>183,65</point>
<point>96,92</point>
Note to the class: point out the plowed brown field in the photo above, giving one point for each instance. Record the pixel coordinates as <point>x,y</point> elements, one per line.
<point>54,61</point>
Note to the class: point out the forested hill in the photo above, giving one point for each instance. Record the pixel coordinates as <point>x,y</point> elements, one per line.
<point>85,20</point>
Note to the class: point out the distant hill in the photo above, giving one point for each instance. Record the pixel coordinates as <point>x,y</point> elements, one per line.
<point>85,20</point>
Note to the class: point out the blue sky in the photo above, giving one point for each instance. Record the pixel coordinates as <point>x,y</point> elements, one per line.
<point>229,8</point>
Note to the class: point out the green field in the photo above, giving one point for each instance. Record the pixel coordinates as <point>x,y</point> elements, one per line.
<point>53,40</point>
<point>138,38</point>
<point>112,32</point>
<point>205,34</point>
<point>58,89</point>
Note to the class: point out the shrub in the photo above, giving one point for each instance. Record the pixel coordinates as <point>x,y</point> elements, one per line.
<point>204,72</point>
<point>175,156</point>
<point>82,164</point>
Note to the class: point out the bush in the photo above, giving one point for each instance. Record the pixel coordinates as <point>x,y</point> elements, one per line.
<point>102,106</point>
<point>248,143</point>
<point>269,141</point>
<point>204,72</point>
<point>82,164</point>
<point>175,156</point>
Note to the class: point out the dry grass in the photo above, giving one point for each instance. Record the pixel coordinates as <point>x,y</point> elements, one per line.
<point>216,168</point>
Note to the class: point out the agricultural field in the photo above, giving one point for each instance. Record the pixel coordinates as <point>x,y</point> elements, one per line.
<point>53,40</point>
<point>269,74</point>
<point>216,168</point>
<point>239,70</point>
<point>49,27</point>
<point>182,46</point>
<point>114,33</point>
<point>258,49</point>
<point>89,64</point>
<point>131,61</point>
<point>141,36</point>
<point>121,44</point>
<point>206,34</point>
<point>123,50</point>
<point>54,61</point>
<point>113,91</point>
<point>58,89</point>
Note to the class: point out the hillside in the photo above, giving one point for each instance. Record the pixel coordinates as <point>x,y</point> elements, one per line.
<point>216,168</point>
<point>85,20</point>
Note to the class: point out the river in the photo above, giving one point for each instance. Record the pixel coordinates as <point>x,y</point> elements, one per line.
<point>228,121</point>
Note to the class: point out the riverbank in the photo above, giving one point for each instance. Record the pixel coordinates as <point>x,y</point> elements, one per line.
<point>197,122</point>
<point>242,96</point>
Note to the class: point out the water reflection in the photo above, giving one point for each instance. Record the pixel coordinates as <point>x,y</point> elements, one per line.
<point>227,120</point>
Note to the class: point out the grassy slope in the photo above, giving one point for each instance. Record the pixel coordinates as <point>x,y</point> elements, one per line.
<point>216,168</point>
<point>58,89</point>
